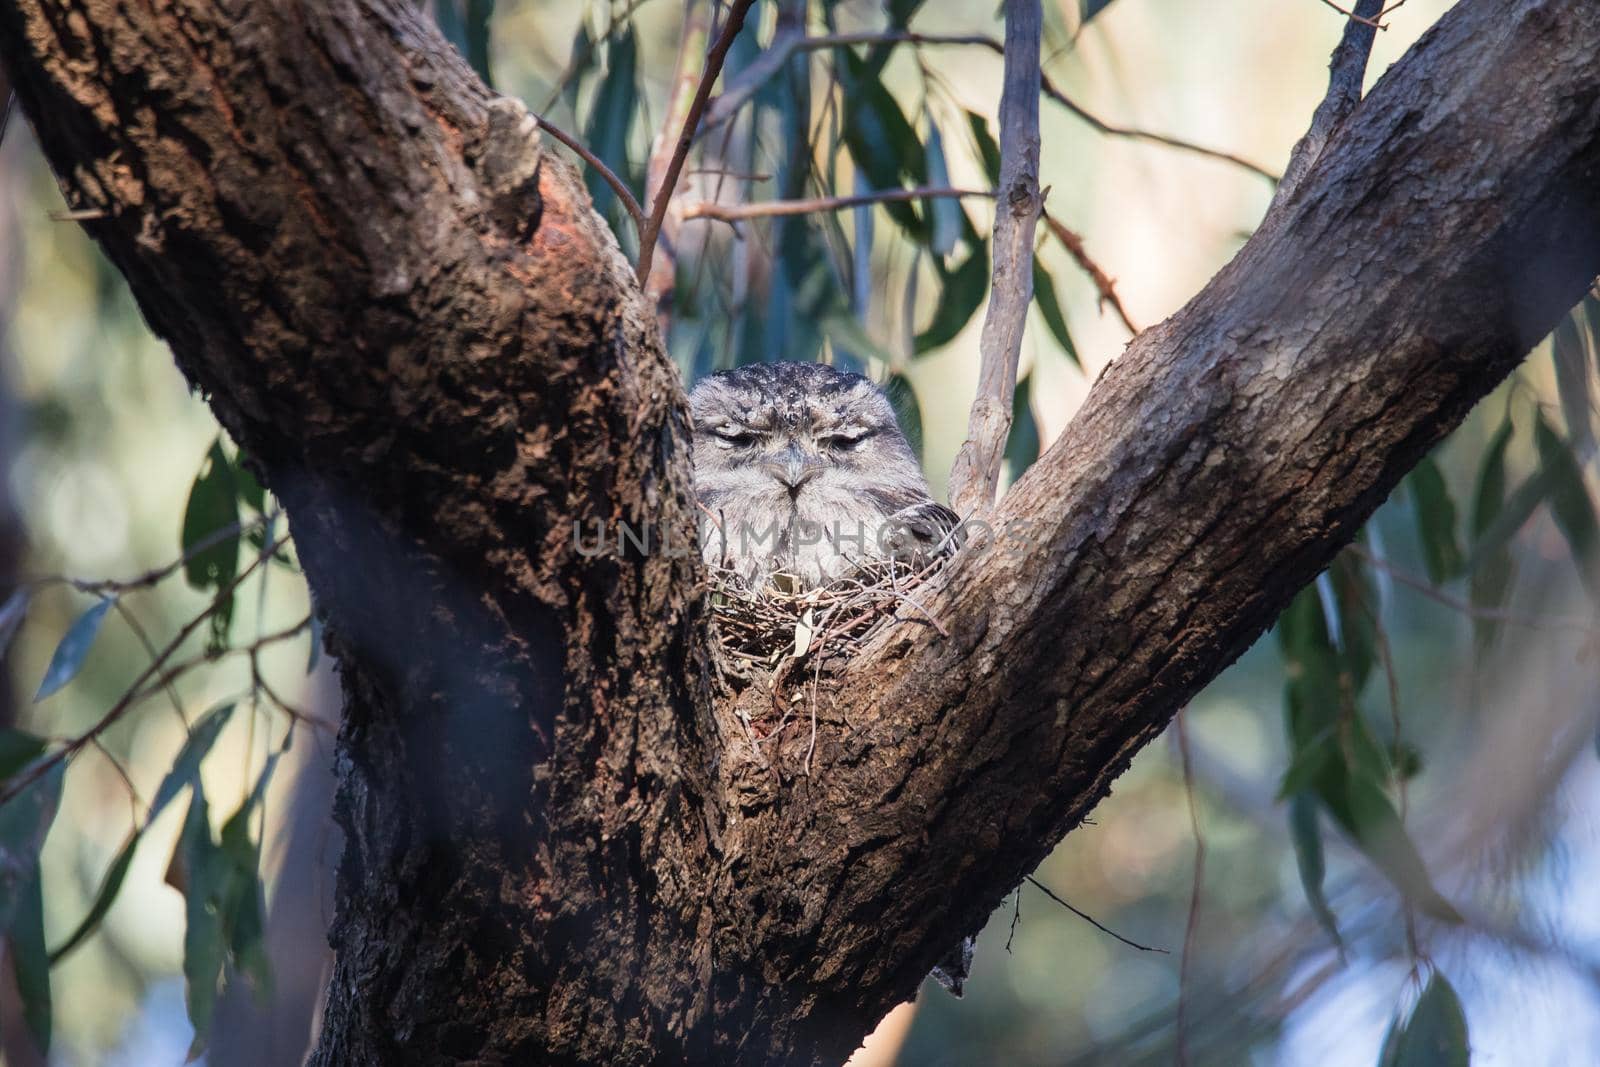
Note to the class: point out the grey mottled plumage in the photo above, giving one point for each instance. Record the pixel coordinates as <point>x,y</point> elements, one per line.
<point>802,469</point>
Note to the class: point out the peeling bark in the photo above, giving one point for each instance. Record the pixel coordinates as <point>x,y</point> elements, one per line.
<point>561,848</point>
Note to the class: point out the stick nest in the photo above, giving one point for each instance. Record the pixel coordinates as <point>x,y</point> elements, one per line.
<point>781,620</point>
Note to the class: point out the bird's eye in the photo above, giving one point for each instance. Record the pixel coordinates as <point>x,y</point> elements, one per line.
<point>734,436</point>
<point>841,442</point>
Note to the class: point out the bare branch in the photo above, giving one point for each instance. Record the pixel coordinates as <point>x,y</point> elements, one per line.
<point>779,208</point>
<point>695,34</point>
<point>618,186</point>
<point>977,467</point>
<point>785,45</point>
<point>662,195</point>
<point>1346,70</point>
<point>1102,281</point>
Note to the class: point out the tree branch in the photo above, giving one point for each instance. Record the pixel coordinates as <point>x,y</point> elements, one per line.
<point>813,205</point>
<point>976,473</point>
<point>786,44</point>
<point>618,186</point>
<point>662,196</point>
<point>1103,284</point>
<point>561,846</point>
<point>1346,71</point>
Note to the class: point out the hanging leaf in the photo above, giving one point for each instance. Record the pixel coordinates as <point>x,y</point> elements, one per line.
<point>1491,574</point>
<point>1436,1033</point>
<point>903,398</point>
<point>185,770</point>
<point>1570,504</point>
<point>961,293</point>
<point>30,962</point>
<point>24,822</point>
<point>1359,805</point>
<point>17,750</point>
<point>882,143</point>
<point>1044,295</point>
<point>1022,444</point>
<point>944,211</point>
<point>186,766</point>
<point>1572,377</point>
<point>69,655</point>
<point>1088,9</point>
<point>988,147</point>
<point>579,63</point>
<point>11,616</point>
<point>110,886</point>
<point>611,120</point>
<point>250,491</point>
<point>210,539</point>
<point>1436,521</point>
<point>203,944</point>
<point>1306,834</point>
<point>478,15</point>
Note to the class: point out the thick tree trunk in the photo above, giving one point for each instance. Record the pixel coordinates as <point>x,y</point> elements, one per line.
<point>561,849</point>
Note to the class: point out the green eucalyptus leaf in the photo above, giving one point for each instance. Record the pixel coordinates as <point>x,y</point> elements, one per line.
<point>1491,574</point>
<point>12,613</point>
<point>204,884</point>
<point>110,886</point>
<point>1436,521</point>
<point>1570,503</point>
<point>580,63</point>
<point>882,143</point>
<point>24,823</point>
<point>1363,810</point>
<point>1571,364</point>
<point>1088,9</point>
<point>1022,443</point>
<point>69,656</point>
<point>907,411</point>
<point>476,33</point>
<point>186,766</point>
<point>961,293</point>
<point>18,749</point>
<point>988,147</point>
<point>1049,304</point>
<point>210,539</point>
<point>30,962</point>
<point>611,116</point>
<point>1305,832</point>
<point>1436,1033</point>
<point>945,212</point>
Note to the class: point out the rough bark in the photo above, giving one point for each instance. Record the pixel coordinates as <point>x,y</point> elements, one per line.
<point>561,849</point>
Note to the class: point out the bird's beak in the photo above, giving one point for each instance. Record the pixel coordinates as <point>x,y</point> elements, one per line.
<point>793,467</point>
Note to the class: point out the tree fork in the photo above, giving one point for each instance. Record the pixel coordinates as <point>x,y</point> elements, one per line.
<point>560,847</point>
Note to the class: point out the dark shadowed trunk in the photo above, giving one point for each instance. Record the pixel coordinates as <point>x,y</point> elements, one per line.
<point>560,846</point>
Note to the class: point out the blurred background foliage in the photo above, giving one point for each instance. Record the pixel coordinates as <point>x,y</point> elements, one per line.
<point>1373,840</point>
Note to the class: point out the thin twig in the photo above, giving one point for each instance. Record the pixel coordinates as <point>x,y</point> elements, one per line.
<point>108,586</point>
<point>1193,924</point>
<point>1365,20</point>
<point>1091,920</point>
<point>756,74</point>
<point>149,646</point>
<point>976,473</point>
<point>139,688</point>
<point>618,186</point>
<point>662,196</point>
<point>813,205</point>
<point>1346,71</point>
<point>1471,610</point>
<point>695,31</point>
<point>1103,284</point>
